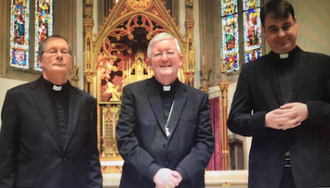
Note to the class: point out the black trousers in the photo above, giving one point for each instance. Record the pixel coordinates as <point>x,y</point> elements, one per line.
<point>287,179</point>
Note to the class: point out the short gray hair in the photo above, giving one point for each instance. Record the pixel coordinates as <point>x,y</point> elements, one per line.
<point>44,42</point>
<point>162,36</point>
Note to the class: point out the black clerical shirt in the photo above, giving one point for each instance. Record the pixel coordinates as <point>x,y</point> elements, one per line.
<point>60,105</point>
<point>285,69</point>
<point>167,97</point>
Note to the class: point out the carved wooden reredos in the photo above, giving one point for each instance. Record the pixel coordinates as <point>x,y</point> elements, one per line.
<point>126,32</point>
<point>116,56</point>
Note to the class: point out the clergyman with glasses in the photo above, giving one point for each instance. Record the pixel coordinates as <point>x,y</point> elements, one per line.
<point>48,135</point>
<point>164,132</point>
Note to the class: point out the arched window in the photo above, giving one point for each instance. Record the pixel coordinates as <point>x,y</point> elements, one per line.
<point>20,40</point>
<point>43,25</point>
<point>231,49</point>
<point>252,30</point>
<point>19,34</point>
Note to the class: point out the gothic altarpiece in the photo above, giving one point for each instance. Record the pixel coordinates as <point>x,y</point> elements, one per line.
<point>116,56</point>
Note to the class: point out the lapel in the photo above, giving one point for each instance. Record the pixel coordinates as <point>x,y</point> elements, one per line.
<point>179,102</point>
<point>271,76</point>
<point>155,103</point>
<point>74,106</point>
<point>304,64</point>
<point>43,104</point>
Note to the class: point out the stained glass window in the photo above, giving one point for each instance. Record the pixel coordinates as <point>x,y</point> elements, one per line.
<point>231,26</point>
<point>230,38</point>
<point>20,42</point>
<point>19,34</point>
<point>43,24</point>
<point>252,30</point>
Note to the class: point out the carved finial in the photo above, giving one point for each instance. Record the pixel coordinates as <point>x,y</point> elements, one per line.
<point>223,68</point>
<point>223,71</point>
<point>189,3</point>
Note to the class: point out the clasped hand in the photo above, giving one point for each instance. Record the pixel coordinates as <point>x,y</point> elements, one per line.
<point>287,116</point>
<point>167,178</point>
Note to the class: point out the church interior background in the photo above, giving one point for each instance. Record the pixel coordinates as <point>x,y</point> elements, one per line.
<point>110,39</point>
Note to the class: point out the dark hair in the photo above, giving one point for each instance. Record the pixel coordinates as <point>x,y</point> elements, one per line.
<point>43,44</point>
<point>278,9</point>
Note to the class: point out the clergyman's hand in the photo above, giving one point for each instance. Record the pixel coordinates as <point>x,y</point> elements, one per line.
<point>177,176</point>
<point>275,120</point>
<point>287,116</point>
<point>296,113</point>
<point>167,178</point>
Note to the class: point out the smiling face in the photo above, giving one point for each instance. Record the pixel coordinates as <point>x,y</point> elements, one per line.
<point>281,34</point>
<point>165,60</point>
<point>55,60</point>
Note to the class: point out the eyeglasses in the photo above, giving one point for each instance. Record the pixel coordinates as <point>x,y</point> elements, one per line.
<point>168,54</point>
<point>53,52</point>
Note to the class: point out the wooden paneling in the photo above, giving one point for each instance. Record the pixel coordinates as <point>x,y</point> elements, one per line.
<point>210,36</point>
<point>65,21</point>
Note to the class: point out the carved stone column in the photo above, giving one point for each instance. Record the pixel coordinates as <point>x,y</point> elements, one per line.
<point>89,71</point>
<point>190,59</point>
<point>223,116</point>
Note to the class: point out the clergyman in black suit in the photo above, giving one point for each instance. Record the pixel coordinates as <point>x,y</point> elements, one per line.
<point>282,100</point>
<point>48,135</point>
<point>164,132</point>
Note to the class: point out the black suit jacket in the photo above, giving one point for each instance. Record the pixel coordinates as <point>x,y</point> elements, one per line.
<point>31,154</point>
<point>142,141</point>
<point>258,90</point>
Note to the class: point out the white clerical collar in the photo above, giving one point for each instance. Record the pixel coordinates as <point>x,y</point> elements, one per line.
<point>57,88</point>
<point>167,88</point>
<point>284,56</point>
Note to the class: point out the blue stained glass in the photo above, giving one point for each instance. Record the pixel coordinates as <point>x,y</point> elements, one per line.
<point>252,34</point>
<point>232,62</point>
<point>19,34</point>
<point>43,25</point>
<point>19,58</point>
<point>252,55</point>
<point>250,4</point>
<point>230,38</point>
<point>230,45</point>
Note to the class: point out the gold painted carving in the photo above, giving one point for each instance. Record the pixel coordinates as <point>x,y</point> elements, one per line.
<point>139,4</point>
